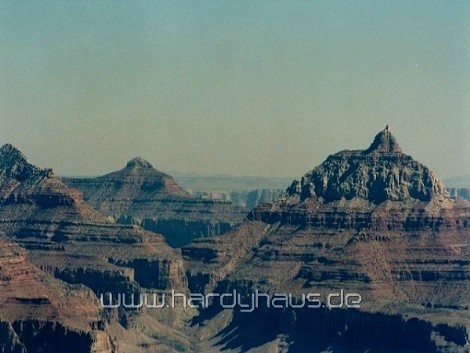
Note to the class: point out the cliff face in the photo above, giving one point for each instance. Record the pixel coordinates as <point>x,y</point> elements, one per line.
<point>373,222</point>
<point>379,189</point>
<point>39,313</point>
<point>69,240</point>
<point>139,194</point>
<point>380,173</point>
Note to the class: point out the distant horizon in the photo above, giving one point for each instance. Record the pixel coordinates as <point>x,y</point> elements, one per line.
<point>233,87</point>
<point>184,175</point>
<point>195,175</point>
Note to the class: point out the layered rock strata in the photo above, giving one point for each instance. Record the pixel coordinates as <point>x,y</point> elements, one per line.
<point>68,239</point>
<point>373,222</point>
<point>39,313</point>
<point>139,194</point>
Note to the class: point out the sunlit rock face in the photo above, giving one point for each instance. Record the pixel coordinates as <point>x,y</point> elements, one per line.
<point>379,173</point>
<point>48,233</point>
<point>141,195</point>
<point>374,222</point>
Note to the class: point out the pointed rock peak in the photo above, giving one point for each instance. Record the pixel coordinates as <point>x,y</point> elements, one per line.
<point>11,153</point>
<point>138,162</point>
<point>380,173</point>
<point>384,142</point>
<point>13,164</point>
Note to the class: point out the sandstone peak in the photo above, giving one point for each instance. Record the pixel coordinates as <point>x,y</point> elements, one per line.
<point>380,173</point>
<point>384,142</point>
<point>14,165</point>
<point>10,154</point>
<point>138,162</point>
<point>138,180</point>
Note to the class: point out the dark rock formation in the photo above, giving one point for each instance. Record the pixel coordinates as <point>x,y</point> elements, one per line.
<point>139,194</point>
<point>372,189</point>
<point>380,173</point>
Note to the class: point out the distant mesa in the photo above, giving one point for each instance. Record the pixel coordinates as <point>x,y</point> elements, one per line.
<point>139,194</point>
<point>136,182</point>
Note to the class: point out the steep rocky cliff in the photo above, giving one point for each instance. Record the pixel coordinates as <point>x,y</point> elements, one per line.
<point>373,222</point>
<point>68,239</point>
<point>40,314</point>
<point>379,188</point>
<point>140,194</point>
<point>380,173</point>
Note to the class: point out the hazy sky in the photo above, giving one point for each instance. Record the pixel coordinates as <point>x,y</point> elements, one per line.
<point>234,87</point>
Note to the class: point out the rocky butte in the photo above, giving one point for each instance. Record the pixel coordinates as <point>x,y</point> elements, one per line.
<point>140,194</point>
<point>373,222</point>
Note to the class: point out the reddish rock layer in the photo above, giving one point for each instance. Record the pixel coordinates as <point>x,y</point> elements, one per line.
<point>139,194</point>
<point>373,222</point>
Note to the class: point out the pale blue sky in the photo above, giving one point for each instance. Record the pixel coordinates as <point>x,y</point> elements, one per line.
<point>234,87</point>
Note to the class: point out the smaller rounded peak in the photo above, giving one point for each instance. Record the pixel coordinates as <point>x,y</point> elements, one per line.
<point>384,142</point>
<point>138,162</point>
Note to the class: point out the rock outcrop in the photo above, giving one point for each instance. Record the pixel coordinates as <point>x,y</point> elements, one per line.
<point>371,189</point>
<point>139,194</point>
<point>380,173</point>
<point>373,222</point>
<point>39,313</point>
<point>69,240</point>
<point>44,215</point>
